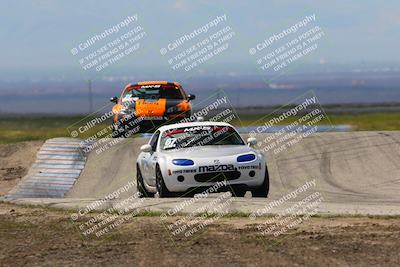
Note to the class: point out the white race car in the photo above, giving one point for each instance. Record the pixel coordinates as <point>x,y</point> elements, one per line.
<point>187,158</point>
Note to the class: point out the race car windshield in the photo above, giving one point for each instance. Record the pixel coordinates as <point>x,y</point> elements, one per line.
<point>154,92</point>
<point>199,136</point>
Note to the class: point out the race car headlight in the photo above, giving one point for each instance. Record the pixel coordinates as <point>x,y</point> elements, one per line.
<point>246,157</point>
<point>183,162</point>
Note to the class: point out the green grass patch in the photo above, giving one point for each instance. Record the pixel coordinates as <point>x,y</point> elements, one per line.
<point>41,128</point>
<point>385,121</point>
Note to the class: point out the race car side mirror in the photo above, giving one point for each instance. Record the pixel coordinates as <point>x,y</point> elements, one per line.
<point>191,97</point>
<point>114,99</point>
<point>251,141</point>
<point>145,148</point>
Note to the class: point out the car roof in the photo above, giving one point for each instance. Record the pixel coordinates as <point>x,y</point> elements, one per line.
<point>192,124</point>
<point>152,83</point>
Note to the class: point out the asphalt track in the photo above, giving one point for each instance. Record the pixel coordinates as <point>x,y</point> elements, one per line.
<point>355,173</point>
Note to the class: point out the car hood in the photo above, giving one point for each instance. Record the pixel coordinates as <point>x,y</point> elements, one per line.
<point>209,151</point>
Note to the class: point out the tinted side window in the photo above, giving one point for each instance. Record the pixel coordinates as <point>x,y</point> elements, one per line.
<point>173,94</point>
<point>154,139</point>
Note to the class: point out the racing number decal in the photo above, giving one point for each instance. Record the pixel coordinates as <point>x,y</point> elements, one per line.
<point>170,143</point>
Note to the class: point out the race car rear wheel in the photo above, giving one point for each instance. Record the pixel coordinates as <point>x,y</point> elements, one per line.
<point>140,184</point>
<point>161,188</point>
<point>263,189</point>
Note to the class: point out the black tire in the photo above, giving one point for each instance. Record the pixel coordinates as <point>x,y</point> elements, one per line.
<point>262,190</point>
<point>116,133</point>
<point>161,188</point>
<point>238,192</point>
<point>140,185</point>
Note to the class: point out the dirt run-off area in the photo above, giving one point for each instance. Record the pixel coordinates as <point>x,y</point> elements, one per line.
<point>41,237</point>
<point>36,236</point>
<point>15,161</point>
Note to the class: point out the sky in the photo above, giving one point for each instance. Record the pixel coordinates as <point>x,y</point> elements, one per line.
<point>37,36</point>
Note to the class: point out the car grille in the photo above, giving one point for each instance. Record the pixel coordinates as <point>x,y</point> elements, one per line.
<point>216,176</point>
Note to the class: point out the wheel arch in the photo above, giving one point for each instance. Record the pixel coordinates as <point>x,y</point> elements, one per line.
<point>162,164</point>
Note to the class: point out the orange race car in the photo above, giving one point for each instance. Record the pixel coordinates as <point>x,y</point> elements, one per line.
<point>147,105</point>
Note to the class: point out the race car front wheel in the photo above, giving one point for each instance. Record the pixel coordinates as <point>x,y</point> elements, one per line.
<point>161,188</point>
<point>140,185</point>
<point>115,132</point>
<point>263,189</point>
<point>238,192</point>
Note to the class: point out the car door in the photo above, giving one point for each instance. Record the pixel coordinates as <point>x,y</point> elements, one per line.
<point>151,159</point>
<point>145,160</point>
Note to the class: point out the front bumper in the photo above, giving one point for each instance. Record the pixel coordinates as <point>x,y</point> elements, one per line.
<point>184,179</point>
